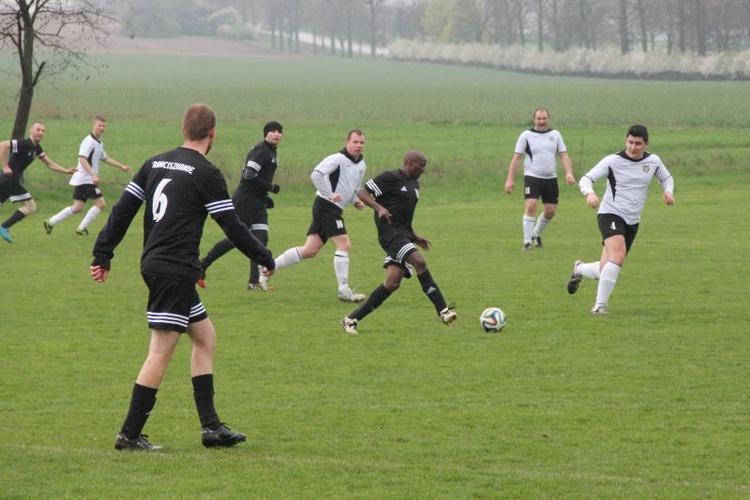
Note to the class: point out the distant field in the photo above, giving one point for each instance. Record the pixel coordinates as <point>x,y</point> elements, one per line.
<point>650,402</point>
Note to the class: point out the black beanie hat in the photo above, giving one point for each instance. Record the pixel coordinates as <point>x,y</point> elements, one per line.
<point>271,126</point>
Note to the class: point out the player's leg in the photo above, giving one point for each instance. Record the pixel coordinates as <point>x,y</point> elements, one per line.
<point>214,433</point>
<point>168,313</point>
<point>550,194</point>
<point>394,274</point>
<point>313,243</point>
<point>341,268</point>
<point>431,288</point>
<point>99,205</point>
<point>12,190</point>
<point>260,230</point>
<point>28,207</point>
<point>531,195</point>
<point>216,252</point>
<point>79,203</point>
<point>143,397</point>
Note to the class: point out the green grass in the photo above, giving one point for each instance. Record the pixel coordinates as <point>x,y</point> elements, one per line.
<point>650,401</point>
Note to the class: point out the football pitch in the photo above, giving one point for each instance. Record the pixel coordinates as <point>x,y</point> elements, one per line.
<point>650,401</point>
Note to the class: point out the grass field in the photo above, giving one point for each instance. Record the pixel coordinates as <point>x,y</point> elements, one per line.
<point>649,402</point>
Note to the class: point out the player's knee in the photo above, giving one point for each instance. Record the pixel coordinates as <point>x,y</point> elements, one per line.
<point>392,284</point>
<point>29,208</point>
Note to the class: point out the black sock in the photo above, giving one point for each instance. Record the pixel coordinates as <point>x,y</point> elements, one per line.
<point>203,393</point>
<point>17,216</point>
<point>376,298</point>
<point>141,403</point>
<point>430,288</point>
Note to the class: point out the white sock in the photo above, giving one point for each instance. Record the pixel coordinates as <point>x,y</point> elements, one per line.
<point>341,267</point>
<point>528,228</point>
<point>291,256</point>
<point>90,216</point>
<point>61,216</point>
<point>590,270</point>
<point>607,282</point>
<point>541,225</point>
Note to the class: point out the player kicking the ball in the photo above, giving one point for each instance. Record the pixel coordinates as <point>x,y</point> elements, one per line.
<point>393,195</point>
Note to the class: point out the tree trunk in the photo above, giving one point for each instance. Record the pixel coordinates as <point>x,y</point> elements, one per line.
<point>681,26</point>
<point>540,25</point>
<point>700,26</point>
<point>623,25</point>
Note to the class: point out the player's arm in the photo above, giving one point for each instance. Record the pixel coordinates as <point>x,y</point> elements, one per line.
<point>510,181</point>
<point>321,178</point>
<point>365,196</point>
<point>111,161</point>
<point>4,148</point>
<point>667,184</point>
<point>568,166</point>
<point>421,241</point>
<point>586,183</point>
<point>114,230</point>
<point>243,239</point>
<point>54,166</point>
<point>84,163</point>
<point>251,173</point>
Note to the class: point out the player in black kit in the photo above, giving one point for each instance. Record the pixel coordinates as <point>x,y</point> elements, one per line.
<point>251,199</point>
<point>180,189</point>
<point>394,195</point>
<point>16,156</point>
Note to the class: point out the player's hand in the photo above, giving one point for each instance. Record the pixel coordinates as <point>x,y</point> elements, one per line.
<point>509,186</point>
<point>359,205</point>
<point>570,179</point>
<point>335,197</point>
<point>71,170</point>
<point>592,200</point>
<point>126,169</point>
<point>668,198</point>
<point>99,274</point>
<point>423,242</point>
<point>7,170</point>
<point>96,180</point>
<point>384,214</point>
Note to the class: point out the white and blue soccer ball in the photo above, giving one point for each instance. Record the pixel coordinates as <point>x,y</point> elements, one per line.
<point>493,320</point>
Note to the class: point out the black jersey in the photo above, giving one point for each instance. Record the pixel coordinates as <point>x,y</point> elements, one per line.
<point>397,192</point>
<point>22,153</point>
<point>180,189</point>
<point>257,174</point>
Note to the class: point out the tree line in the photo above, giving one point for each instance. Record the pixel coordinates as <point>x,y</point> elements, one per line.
<point>695,27</point>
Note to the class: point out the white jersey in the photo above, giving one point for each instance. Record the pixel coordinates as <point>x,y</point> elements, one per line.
<point>93,150</point>
<point>627,183</point>
<point>541,150</point>
<point>338,173</point>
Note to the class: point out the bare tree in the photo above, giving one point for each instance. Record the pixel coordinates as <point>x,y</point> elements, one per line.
<point>699,11</point>
<point>60,29</point>
<point>622,25</point>
<point>374,8</point>
<point>643,14</point>
<point>540,24</point>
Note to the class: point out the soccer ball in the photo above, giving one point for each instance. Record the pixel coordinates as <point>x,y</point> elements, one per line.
<point>493,320</point>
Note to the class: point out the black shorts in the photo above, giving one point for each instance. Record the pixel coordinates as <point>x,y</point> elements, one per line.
<point>172,304</point>
<point>547,189</point>
<point>612,225</point>
<point>398,246</point>
<point>327,220</point>
<point>85,192</point>
<point>11,189</point>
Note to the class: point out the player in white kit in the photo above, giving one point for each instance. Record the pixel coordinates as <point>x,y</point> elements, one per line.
<point>628,175</point>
